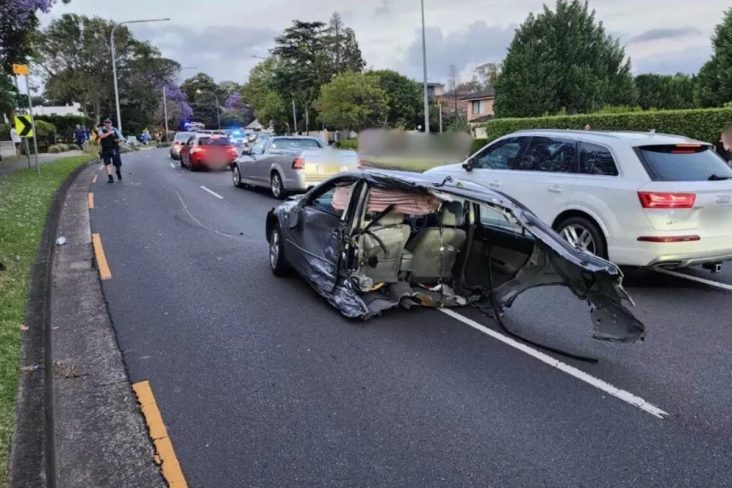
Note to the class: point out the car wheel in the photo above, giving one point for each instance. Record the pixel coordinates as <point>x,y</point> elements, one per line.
<point>277,261</point>
<point>278,189</point>
<point>191,166</point>
<point>236,177</point>
<point>583,234</point>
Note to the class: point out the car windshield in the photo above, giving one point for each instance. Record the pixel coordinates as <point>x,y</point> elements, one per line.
<point>214,141</point>
<point>290,143</point>
<point>684,163</point>
<point>182,136</point>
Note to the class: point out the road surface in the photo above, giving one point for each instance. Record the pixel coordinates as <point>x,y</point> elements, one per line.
<point>261,383</point>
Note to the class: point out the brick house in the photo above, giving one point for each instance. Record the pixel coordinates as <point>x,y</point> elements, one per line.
<point>479,109</point>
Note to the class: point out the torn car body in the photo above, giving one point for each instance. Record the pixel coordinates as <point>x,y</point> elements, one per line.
<point>373,240</point>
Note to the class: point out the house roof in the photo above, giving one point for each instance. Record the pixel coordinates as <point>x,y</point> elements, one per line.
<point>487,93</point>
<point>483,118</point>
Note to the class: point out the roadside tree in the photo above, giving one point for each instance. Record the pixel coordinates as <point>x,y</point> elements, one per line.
<point>665,91</point>
<point>714,82</point>
<point>353,101</point>
<point>563,61</point>
<point>404,99</point>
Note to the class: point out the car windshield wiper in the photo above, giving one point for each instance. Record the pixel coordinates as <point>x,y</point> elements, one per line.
<point>719,178</point>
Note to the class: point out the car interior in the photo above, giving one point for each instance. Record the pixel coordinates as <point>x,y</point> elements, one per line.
<point>431,249</point>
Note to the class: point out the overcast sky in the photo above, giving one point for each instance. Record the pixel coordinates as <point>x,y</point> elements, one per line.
<point>220,38</point>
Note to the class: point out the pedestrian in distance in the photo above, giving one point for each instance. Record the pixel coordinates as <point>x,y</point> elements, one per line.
<point>16,140</point>
<point>79,137</point>
<point>109,138</point>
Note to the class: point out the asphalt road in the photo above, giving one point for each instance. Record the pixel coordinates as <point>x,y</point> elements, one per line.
<point>261,383</point>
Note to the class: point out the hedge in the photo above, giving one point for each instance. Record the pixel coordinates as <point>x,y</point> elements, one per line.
<point>66,124</point>
<point>701,124</point>
<point>348,144</point>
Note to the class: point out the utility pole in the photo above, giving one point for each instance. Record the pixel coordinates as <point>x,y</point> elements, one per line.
<point>440,104</point>
<point>424,69</point>
<point>25,139</point>
<point>294,115</point>
<point>114,62</point>
<point>165,113</point>
<point>33,123</point>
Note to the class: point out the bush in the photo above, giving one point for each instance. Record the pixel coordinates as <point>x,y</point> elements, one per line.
<point>4,132</point>
<point>348,144</point>
<point>46,135</point>
<point>701,124</point>
<point>477,144</point>
<point>55,149</point>
<point>66,124</point>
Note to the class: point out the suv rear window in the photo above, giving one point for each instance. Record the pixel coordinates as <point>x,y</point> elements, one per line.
<point>683,163</point>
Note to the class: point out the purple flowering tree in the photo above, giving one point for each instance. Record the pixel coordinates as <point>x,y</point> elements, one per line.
<point>237,112</point>
<point>179,110</point>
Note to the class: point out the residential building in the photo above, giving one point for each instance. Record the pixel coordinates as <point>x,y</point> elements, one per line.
<point>480,110</point>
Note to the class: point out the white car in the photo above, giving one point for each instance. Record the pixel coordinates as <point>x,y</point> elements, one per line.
<point>637,199</point>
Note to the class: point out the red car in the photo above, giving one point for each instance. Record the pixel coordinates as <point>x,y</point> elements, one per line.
<point>208,151</point>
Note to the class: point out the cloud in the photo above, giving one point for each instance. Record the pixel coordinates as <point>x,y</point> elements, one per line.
<point>664,34</point>
<point>688,60</point>
<point>223,51</point>
<point>383,9</point>
<point>477,43</point>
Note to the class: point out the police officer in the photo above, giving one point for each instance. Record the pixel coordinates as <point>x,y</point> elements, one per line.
<point>109,138</point>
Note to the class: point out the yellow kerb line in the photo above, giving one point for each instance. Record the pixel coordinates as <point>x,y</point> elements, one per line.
<point>164,452</point>
<point>104,272</point>
<point>90,199</point>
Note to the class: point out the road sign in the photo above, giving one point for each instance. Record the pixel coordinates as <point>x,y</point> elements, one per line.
<point>20,69</point>
<point>23,125</point>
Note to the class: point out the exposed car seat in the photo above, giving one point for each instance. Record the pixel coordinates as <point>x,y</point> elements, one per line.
<point>430,255</point>
<point>382,246</point>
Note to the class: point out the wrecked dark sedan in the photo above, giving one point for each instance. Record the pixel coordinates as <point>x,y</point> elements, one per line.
<point>373,240</point>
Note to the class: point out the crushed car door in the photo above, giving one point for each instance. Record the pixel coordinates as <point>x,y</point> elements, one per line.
<point>317,237</point>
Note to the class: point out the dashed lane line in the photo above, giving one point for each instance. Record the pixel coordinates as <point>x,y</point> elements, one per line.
<point>90,200</point>
<point>212,192</point>
<point>172,165</point>
<point>623,395</point>
<point>723,286</point>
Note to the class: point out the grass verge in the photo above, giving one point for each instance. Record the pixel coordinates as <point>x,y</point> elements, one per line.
<point>24,202</point>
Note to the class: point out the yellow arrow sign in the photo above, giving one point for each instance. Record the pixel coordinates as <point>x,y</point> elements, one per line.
<point>23,125</point>
<point>20,69</point>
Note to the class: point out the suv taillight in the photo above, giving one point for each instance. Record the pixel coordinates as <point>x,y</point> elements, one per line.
<point>298,163</point>
<point>652,199</point>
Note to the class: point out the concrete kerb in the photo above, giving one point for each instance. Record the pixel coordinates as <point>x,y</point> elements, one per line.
<point>93,434</point>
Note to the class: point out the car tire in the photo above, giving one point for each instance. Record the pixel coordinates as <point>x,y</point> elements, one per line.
<point>277,261</point>
<point>236,177</point>
<point>584,234</point>
<point>192,167</point>
<point>276,186</point>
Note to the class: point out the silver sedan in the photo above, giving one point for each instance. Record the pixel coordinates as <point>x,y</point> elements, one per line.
<point>290,164</point>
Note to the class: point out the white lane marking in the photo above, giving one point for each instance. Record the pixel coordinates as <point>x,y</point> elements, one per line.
<point>623,395</point>
<point>212,192</point>
<point>172,165</point>
<point>723,286</point>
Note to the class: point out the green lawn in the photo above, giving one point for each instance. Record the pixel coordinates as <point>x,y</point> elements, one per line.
<point>402,164</point>
<point>24,201</point>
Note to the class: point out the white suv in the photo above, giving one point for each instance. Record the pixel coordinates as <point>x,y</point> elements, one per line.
<point>638,199</point>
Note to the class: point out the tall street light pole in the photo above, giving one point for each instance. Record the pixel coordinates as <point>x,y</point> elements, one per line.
<point>424,69</point>
<point>114,62</point>
<point>218,115</point>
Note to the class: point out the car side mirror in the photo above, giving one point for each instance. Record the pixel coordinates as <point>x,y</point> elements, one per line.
<point>469,164</point>
<point>247,151</point>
